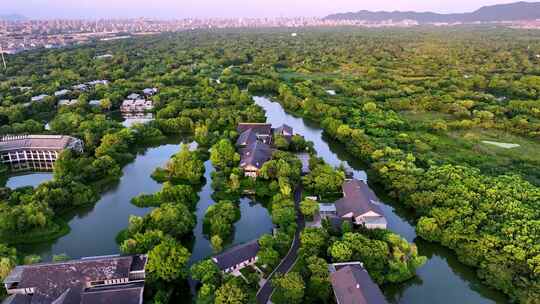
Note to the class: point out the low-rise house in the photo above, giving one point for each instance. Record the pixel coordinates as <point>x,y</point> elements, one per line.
<point>96,82</point>
<point>139,105</point>
<point>21,88</point>
<point>359,205</point>
<point>150,91</point>
<point>35,152</point>
<point>285,131</point>
<point>253,157</point>
<point>80,87</point>
<point>94,103</point>
<point>67,102</point>
<point>133,96</point>
<point>39,98</point>
<point>104,56</point>
<point>353,285</point>
<point>61,93</point>
<point>237,258</point>
<point>106,280</point>
<point>250,132</point>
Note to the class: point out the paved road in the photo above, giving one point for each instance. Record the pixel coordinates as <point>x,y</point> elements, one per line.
<point>264,293</point>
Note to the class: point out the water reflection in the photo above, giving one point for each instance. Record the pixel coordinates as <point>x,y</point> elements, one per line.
<point>28,179</point>
<point>254,221</point>
<point>132,118</point>
<point>129,119</point>
<point>94,229</point>
<point>443,279</point>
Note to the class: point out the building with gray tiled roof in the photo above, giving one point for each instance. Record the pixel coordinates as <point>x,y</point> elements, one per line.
<point>35,152</point>
<point>359,205</point>
<point>238,257</point>
<point>106,280</point>
<point>353,285</point>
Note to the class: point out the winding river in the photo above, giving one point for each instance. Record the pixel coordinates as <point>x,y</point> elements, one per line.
<point>443,279</point>
<point>94,229</point>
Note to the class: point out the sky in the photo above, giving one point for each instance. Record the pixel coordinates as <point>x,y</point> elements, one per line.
<point>171,9</point>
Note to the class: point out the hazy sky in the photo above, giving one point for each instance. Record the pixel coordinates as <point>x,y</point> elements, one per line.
<point>224,8</point>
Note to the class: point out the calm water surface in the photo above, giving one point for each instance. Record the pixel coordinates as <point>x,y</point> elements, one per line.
<point>94,229</point>
<point>254,221</point>
<point>28,179</point>
<point>443,279</point>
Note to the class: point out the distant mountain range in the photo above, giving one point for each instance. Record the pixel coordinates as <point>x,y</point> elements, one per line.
<point>12,17</point>
<point>502,12</point>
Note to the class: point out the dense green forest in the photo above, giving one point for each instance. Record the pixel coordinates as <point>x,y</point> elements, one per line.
<point>430,111</point>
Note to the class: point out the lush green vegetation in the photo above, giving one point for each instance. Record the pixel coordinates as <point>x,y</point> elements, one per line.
<point>414,105</point>
<point>417,108</point>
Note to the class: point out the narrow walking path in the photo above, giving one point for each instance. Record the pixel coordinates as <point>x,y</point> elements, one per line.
<point>265,292</point>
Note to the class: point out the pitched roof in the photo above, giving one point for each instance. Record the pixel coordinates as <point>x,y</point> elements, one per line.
<point>284,129</point>
<point>68,282</point>
<point>61,92</point>
<point>358,198</point>
<point>53,142</point>
<point>353,285</point>
<point>133,96</point>
<point>258,128</point>
<point>127,295</point>
<point>255,154</point>
<point>237,255</point>
<point>247,137</point>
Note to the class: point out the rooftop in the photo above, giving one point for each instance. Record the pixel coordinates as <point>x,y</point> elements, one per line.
<point>285,130</point>
<point>70,282</point>
<point>358,198</point>
<point>353,285</point>
<point>255,154</point>
<point>246,137</point>
<point>259,128</point>
<point>52,142</point>
<point>237,255</point>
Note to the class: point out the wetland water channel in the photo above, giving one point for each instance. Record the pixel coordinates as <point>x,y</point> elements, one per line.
<point>443,279</point>
<point>94,229</point>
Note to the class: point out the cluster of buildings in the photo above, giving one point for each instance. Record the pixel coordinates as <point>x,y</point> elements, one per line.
<point>35,152</point>
<point>350,281</point>
<point>105,280</point>
<point>21,35</point>
<point>62,94</point>
<point>255,144</point>
<point>137,103</point>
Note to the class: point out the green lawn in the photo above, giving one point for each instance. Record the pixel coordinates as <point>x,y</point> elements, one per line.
<point>466,146</point>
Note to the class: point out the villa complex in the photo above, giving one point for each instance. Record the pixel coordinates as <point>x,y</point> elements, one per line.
<point>35,152</point>
<point>106,280</point>
<point>137,103</point>
<point>255,143</point>
<point>359,205</point>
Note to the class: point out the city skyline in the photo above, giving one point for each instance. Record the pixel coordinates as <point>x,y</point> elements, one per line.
<point>171,9</point>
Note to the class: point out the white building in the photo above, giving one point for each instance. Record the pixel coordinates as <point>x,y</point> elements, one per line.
<point>39,98</point>
<point>61,93</point>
